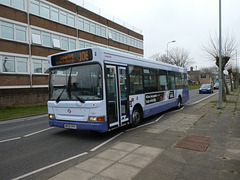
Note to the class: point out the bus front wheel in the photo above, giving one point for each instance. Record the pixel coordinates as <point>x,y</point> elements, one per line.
<point>136,117</point>
<point>179,105</point>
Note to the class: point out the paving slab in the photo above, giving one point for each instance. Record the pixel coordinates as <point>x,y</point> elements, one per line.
<point>95,165</point>
<point>73,174</point>
<point>120,171</point>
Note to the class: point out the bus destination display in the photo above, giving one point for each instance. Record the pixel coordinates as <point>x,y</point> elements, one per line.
<point>73,57</point>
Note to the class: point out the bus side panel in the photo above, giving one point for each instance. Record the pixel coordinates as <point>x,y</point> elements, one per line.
<point>185,96</point>
<point>151,110</point>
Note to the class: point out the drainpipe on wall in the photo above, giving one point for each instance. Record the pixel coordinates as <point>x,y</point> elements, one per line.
<point>29,43</point>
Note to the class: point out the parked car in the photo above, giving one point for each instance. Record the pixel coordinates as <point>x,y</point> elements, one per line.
<point>206,88</point>
<point>216,86</point>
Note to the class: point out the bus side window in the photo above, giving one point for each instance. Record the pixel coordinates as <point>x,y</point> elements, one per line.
<point>178,80</point>
<point>171,80</point>
<point>162,80</point>
<point>136,79</point>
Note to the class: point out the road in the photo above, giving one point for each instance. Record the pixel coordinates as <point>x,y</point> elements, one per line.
<point>30,149</point>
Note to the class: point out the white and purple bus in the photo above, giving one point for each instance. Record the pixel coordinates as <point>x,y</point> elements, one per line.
<point>100,89</point>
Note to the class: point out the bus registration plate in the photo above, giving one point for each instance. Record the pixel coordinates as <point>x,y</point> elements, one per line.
<point>70,126</point>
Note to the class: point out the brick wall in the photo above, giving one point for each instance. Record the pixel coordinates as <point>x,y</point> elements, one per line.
<point>22,97</point>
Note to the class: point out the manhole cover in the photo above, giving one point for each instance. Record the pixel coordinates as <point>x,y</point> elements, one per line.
<point>196,143</point>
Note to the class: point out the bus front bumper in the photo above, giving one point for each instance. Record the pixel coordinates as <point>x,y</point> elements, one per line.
<point>98,126</point>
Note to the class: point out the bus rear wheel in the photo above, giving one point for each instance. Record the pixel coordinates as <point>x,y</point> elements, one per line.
<point>136,117</point>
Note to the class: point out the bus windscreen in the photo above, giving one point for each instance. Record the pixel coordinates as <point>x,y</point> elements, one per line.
<point>72,57</point>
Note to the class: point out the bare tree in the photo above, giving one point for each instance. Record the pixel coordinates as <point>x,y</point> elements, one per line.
<point>229,46</point>
<point>176,56</point>
<point>230,71</point>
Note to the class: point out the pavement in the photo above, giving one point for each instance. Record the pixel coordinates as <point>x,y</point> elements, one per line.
<point>200,141</point>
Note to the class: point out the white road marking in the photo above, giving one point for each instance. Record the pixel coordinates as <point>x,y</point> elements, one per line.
<point>31,134</point>
<point>159,118</point>
<point>12,139</point>
<point>102,144</point>
<point>201,100</point>
<point>37,132</point>
<point>52,165</point>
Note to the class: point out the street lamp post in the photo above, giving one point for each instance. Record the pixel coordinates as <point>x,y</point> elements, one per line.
<point>220,56</point>
<point>167,45</point>
<point>236,71</point>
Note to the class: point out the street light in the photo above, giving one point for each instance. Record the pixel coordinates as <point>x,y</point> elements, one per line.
<point>167,45</point>
<point>237,81</point>
<point>220,56</point>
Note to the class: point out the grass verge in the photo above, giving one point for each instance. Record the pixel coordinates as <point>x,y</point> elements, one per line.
<point>15,112</point>
<point>191,87</point>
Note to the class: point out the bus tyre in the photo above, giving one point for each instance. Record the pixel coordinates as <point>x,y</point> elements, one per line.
<point>136,117</point>
<point>179,105</point>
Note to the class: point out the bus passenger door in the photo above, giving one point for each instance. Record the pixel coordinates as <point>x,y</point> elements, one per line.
<point>117,96</point>
<point>122,77</point>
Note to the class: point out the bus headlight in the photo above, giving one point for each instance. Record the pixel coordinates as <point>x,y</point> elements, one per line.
<point>96,118</point>
<point>51,116</point>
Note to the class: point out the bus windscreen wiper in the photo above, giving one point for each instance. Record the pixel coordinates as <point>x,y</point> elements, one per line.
<point>58,98</point>
<point>78,98</point>
<point>66,88</point>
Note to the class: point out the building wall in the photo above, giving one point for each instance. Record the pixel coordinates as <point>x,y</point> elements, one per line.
<point>204,79</point>
<point>30,30</point>
<point>21,97</point>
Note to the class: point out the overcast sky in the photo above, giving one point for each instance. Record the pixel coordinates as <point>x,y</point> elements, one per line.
<point>188,22</point>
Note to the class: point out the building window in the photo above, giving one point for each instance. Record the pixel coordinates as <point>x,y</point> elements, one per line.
<point>98,30</point>
<point>36,37</point>
<point>71,20</point>
<point>63,17</point>
<point>54,14</point>
<point>14,64</point>
<point>21,33</point>
<point>8,64</point>
<point>18,4</point>
<point>52,40</point>
<point>103,31</point>
<point>87,26</point>
<point>39,66</point>
<point>46,39</point>
<point>56,41</point>
<point>81,44</point>
<point>13,32</point>
<point>93,28</point>
<point>7,30</point>
<point>35,7</point>
<point>72,44</point>
<point>45,10</point>
<point>22,64</point>
<point>64,43</point>
<point>87,45</point>
<point>80,23</point>
<point>6,2</point>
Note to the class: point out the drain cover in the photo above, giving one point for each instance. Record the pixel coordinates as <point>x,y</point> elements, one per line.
<point>196,143</point>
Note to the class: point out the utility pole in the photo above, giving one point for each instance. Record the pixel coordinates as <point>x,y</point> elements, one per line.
<point>220,56</point>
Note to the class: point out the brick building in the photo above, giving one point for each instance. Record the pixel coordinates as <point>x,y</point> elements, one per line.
<point>30,30</point>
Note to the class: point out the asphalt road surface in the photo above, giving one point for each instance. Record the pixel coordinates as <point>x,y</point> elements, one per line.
<point>30,149</point>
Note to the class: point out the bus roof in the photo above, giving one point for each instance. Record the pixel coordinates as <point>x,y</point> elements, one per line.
<point>117,57</point>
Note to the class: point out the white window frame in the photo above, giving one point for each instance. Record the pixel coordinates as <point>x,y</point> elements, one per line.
<point>43,63</point>
<point>15,59</point>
